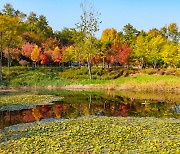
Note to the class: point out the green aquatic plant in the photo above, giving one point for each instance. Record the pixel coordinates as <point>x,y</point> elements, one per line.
<point>93,135</point>
<point>25,101</point>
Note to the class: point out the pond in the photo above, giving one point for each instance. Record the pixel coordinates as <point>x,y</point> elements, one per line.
<point>86,103</point>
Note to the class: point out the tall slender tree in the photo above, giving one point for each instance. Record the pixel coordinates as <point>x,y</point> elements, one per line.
<point>89,24</point>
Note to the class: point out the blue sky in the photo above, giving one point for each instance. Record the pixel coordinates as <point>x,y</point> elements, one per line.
<point>142,14</point>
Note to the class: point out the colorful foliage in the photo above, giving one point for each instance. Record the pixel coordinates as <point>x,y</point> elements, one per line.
<point>27,49</point>
<point>35,54</point>
<point>56,55</point>
<point>44,58</point>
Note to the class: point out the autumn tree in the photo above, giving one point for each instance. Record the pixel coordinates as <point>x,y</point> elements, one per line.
<point>56,55</point>
<point>49,45</point>
<point>121,53</point>
<point>170,54</point>
<point>11,30</point>
<point>171,31</point>
<point>44,58</point>
<point>108,38</point>
<point>88,25</point>
<point>140,50</point>
<point>27,49</point>
<point>69,54</point>
<point>154,50</point>
<point>35,55</point>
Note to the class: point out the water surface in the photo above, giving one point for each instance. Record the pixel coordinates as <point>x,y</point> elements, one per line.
<point>100,103</point>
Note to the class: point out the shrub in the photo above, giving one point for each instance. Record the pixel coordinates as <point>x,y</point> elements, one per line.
<point>125,73</point>
<point>149,71</point>
<point>177,73</point>
<point>170,71</point>
<point>161,72</point>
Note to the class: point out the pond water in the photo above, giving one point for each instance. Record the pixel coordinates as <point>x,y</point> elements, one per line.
<point>86,103</point>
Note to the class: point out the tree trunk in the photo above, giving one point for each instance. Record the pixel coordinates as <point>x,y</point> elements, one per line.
<point>90,102</point>
<point>89,68</point>
<point>8,63</point>
<point>1,57</point>
<point>103,63</point>
<point>154,66</point>
<point>33,65</point>
<point>79,62</point>
<point>1,76</point>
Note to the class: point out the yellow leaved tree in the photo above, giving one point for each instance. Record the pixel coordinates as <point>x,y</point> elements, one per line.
<point>35,55</point>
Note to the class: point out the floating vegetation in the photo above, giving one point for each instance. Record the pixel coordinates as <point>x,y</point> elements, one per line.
<point>93,135</point>
<point>16,102</point>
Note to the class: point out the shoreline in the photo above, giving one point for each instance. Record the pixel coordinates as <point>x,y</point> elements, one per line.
<point>134,87</point>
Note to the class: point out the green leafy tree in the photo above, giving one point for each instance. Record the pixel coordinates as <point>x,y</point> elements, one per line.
<point>11,30</point>
<point>38,29</point>
<point>10,11</point>
<point>130,34</point>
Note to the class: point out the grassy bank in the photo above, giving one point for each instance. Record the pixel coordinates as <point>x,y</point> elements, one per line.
<point>93,135</point>
<point>118,78</point>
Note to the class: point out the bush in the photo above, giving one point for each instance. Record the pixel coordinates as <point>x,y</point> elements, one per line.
<point>125,73</point>
<point>149,71</point>
<point>161,72</point>
<point>177,73</point>
<point>170,71</point>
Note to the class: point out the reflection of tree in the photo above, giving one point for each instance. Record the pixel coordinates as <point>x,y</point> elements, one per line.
<point>58,110</point>
<point>85,108</point>
<point>124,110</point>
<point>44,108</point>
<point>27,116</point>
<point>36,113</point>
<point>72,111</point>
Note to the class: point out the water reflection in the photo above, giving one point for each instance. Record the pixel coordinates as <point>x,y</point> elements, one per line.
<point>74,106</point>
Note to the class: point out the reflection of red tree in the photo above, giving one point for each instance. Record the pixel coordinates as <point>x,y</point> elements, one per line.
<point>58,110</point>
<point>124,108</point>
<point>36,113</point>
<point>27,116</point>
<point>121,110</point>
<point>13,117</point>
<point>123,114</point>
<point>44,108</point>
<point>7,116</point>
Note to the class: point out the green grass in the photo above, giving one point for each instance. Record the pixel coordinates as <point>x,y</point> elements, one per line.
<point>41,76</point>
<point>143,78</point>
<point>44,76</point>
<point>93,135</point>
